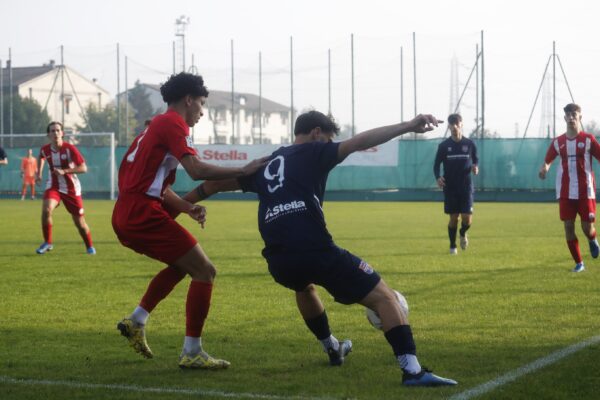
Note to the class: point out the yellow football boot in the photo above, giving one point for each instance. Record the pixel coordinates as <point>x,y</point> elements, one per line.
<point>136,336</point>
<point>201,361</point>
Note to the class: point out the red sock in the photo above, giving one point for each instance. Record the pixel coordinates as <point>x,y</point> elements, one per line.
<point>160,286</point>
<point>196,307</point>
<point>87,238</point>
<point>47,231</point>
<point>574,249</point>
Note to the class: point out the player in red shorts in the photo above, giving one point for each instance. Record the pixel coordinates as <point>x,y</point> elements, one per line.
<point>64,162</point>
<point>575,183</point>
<point>143,216</point>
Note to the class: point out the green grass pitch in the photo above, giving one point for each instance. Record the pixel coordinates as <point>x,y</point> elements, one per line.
<point>505,302</point>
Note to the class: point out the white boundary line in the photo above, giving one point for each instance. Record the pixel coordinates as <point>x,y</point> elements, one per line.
<point>157,390</point>
<point>526,369</point>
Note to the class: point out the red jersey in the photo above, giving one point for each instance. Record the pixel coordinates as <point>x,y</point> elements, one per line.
<point>66,157</point>
<point>151,161</point>
<point>574,175</point>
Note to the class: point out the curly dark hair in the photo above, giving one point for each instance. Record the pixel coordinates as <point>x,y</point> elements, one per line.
<point>310,120</point>
<point>180,85</point>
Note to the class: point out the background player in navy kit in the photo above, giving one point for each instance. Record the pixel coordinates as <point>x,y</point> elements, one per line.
<point>459,157</point>
<point>299,250</point>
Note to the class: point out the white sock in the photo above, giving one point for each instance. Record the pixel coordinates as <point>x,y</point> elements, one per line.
<point>192,345</point>
<point>140,315</point>
<point>330,343</point>
<point>409,363</point>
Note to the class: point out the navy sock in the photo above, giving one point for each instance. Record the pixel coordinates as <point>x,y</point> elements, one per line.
<point>319,326</point>
<point>452,236</point>
<point>401,339</point>
<point>463,229</point>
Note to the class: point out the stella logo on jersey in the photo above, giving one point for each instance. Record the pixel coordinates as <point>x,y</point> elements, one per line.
<point>283,209</point>
<point>224,155</point>
<point>581,145</point>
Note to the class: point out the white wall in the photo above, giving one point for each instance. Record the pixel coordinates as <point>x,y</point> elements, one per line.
<point>88,92</point>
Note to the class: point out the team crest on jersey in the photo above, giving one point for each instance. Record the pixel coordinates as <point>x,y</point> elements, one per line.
<point>189,141</point>
<point>450,149</point>
<point>581,145</point>
<point>465,148</point>
<point>367,269</point>
<point>63,156</point>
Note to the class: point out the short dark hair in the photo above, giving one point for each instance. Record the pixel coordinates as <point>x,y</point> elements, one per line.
<point>54,123</point>
<point>183,84</point>
<point>454,119</point>
<point>572,107</point>
<point>147,122</point>
<point>310,120</point>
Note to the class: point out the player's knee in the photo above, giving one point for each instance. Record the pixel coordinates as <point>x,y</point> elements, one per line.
<point>205,271</point>
<point>310,289</point>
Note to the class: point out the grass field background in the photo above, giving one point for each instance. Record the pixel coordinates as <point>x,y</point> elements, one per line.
<point>505,302</point>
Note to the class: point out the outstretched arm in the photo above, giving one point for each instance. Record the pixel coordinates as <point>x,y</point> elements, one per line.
<point>203,191</point>
<point>209,188</point>
<point>199,170</point>
<point>420,124</point>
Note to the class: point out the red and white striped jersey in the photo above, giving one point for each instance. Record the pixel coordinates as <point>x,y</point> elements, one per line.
<point>66,157</point>
<point>574,175</point>
<point>151,161</point>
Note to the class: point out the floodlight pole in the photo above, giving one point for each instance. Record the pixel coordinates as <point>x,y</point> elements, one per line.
<point>118,128</point>
<point>329,81</point>
<point>553,89</point>
<point>352,69</point>
<point>401,84</point>
<point>260,139</point>
<point>232,98</point>
<point>62,84</point>
<point>291,89</point>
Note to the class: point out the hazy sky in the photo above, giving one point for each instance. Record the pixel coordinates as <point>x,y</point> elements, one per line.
<point>518,38</point>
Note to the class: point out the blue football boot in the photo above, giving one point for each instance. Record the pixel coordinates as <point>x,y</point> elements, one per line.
<point>579,267</point>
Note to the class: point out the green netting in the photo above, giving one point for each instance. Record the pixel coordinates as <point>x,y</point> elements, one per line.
<point>505,164</point>
<point>95,182</point>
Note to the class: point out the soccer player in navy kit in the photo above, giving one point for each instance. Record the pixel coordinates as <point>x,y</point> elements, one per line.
<point>299,250</point>
<point>459,157</point>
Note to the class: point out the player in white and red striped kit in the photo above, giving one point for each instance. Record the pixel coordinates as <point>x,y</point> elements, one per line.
<point>64,162</point>
<point>575,182</point>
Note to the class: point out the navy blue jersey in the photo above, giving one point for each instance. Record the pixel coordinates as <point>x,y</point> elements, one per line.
<point>458,159</point>
<point>290,190</point>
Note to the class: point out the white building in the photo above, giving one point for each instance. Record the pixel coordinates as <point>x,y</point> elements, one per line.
<point>216,126</point>
<point>57,90</point>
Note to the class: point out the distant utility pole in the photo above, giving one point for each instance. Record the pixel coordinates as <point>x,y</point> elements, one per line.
<point>181,24</point>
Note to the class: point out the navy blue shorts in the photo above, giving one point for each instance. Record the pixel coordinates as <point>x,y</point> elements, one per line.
<point>458,202</point>
<point>346,277</point>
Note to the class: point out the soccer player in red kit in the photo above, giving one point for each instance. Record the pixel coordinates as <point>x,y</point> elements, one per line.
<point>64,162</point>
<point>143,216</point>
<point>575,183</point>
